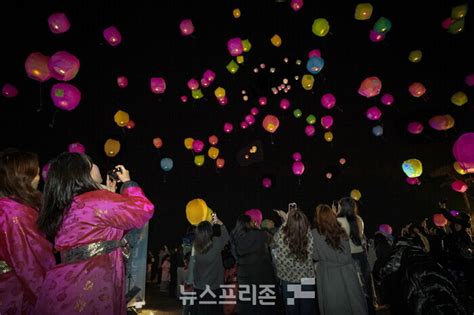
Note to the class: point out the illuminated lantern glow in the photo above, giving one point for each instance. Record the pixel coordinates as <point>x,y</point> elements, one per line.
<point>370,87</point>
<point>459,186</point>
<point>157,142</point>
<point>158,85</point>
<point>271,123</point>
<point>9,90</point>
<point>356,194</point>
<point>186,27</point>
<point>439,220</point>
<point>112,36</point>
<point>442,122</point>
<point>415,127</point>
<point>76,147</point>
<point>111,147</point>
<point>197,211</point>
<point>36,67</point>
<point>58,23</point>
<point>63,66</point>
<point>363,11</point>
<point>417,89</point>
<point>121,118</point>
<point>65,96</point>
<point>412,168</point>
<point>463,151</point>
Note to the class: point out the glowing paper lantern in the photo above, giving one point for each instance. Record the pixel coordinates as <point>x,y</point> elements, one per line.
<point>417,89</point>
<point>459,98</point>
<point>412,168</point>
<point>309,130</point>
<point>297,113</point>
<point>311,119</point>
<point>65,96</point>
<point>121,118</point>
<point>307,82</point>
<point>363,11</point>
<point>377,130</point>
<point>459,169</point>
<point>276,40</point>
<point>459,12</point>
<point>385,228</point>
<point>197,94</point>
<point>213,140</point>
<point>111,147</point>
<point>209,76</point>
<point>463,151</point>
<point>232,67</point>
<point>9,90</point>
<point>246,45</point>
<point>271,123</point>
<point>58,23</point>
<point>439,220</point>
<point>76,147</point>
<point>375,36</point>
<point>193,84</point>
<point>236,13</point>
<point>374,113</point>
<point>234,46</point>
<point>36,67</point>
<point>250,119</point>
<point>328,100</point>
<point>220,163</point>
<point>315,65</point>
<point>186,27</point>
<point>199,160</point>
<point>355,194</point>
<point>219,92</point>
<point>228,127</point>
<point>320,27</point>
<point>413,181</point>
<point>456,27</point>
<point>298,168</point>
<point>383,25</point>
<point>415,127</point>
<point>415,56</point>
<point>157,142</point>
<point>327,121</point>
<point>130,124</point>
<point>158,85</point>
<point>459,186</point>
<point>213,153</point>
<point>166,164</point>
<point>370,87</point>
<point>442,122</point>
<point>198,146</point>
<point>267,182</point>
<point>296,5</point>
<point>296,156</point>
<point>285,104</point>
<point>469,79</point>
<point>387,99</point>
<point>314,53</point>
<point>198,211</point>
<point>122,82</point>
<point>255,215</point>
<point>112,36</point>
<point>188,143</point>
<point>328,136</point>
<point>63,66</point>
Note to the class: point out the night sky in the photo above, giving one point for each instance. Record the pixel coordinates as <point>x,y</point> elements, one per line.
<point>152,46</point>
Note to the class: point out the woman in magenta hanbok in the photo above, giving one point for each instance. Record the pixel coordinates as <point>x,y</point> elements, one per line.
<point>88,224</point>
<point>25,254</point>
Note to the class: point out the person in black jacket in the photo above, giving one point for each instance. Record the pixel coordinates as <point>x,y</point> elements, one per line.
<point>420,285</point>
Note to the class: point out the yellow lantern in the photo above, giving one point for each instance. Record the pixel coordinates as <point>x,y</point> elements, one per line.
<point>188,143</point>
<point>213,153</point>
<point>363,11</point>
<point>459,98</point>
<point>121,118</point>
<point>246,45</point>
<point>219,92</point>
<point>459,12</point>
<point>415,56</point>
<point>459,169</point>
<point>199,160</point>
<point>320,27</point>
<point>355,194</point>
<point>276,40</point>
<point>307,82</point>
<point>328,136</point>
<point>240,59</point>
<point>198,211</point>
<point>236,13</point>
<point>111,147</point>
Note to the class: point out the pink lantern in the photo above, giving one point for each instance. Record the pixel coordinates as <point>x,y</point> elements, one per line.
<point>298,168</point>
<point>65,96</point>
<point>213,140</point>
<point>413,180</point>
<point>267,182</point>
<point>441,122</point>
<point>385,228</point>
<point>63,66</point>
<point>328,175</point>
<point>296,156</point>
<point>387,99</point>
<point>328,100</point>
<point>209,75</point>
<point>327,121</point>
<point>228,127</point>
<point>415,127</point>
<point>223,100</point>
<point>198,146</point>
<point>234,46</point>
<point>271,123</point>
<point>158,85</point>
<point>205,83</point>
<point>255,215</point>
<point>76,147</point>
<point>184,98</point>
<point>374,113</point>
<point>439,220</point>
<point>262,101</point>
<point>417,89</point>
<point>376,37</point>
<point>45,170</point>
<point>112,36</point>
<point>193,84</point>
<point>342,161</point>
<point>58,23</point>
<point>244,125</point>
<point>186,27</point>
<point>36,67</point>
<point>314,53</point>
<point>296,5</point>
<point>459,186</point>
<point>284,104</point>
<point>309,130</point>
<point>122,82</point>
<point>9,90</point>
<point>370,87</point>
<point>254,111</point>
<point>250,119</point>
<point>469,80</point>
<point>463,151</point>
<point>447,23</point>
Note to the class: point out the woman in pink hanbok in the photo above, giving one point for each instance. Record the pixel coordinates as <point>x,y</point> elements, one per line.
<point>25,254</point>
<point>88,224</point>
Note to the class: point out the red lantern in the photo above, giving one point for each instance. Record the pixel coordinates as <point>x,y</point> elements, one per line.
<point>157,142</point>
<point>459,186</point>
<point>439,220</point>
<point>417,89</point>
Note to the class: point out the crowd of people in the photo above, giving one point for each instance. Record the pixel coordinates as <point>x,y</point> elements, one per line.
<point>62,252</point>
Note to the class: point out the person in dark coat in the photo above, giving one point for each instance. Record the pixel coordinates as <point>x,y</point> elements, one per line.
<point>421,285</point>
<point>254,265</point>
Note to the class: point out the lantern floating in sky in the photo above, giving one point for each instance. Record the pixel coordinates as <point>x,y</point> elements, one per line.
<point>459,98</point>
<point>111,147</point>
<point>415,127</point>
<point>459,186</point>
<point>9,90</point>
<point>166,164</point>
<point>213,140</point>
<point>315,65</point>
<point>370,87</point>
<point>228,127</point>
<point>64,66</point>
<point>209,75</point>
<point>234,46</point>
<point>197,94</point>
<point>36,67</point>
<point>459,12</point>
<point>232,67</point>
<point>112,36</point>
<point>442,122</point>
<point>363,11</point>
<point>285,104</point>
<point>198,146</point>
<point>383,25</point>
<point>121,118</point>
<point>377,131</point>
<point>65,96</point>
<point>412,168</point>
<point>328,101</point>
<point>276,40</point>
<point>76,147</point>
<point>236,13</point>
<point>157,142</point>
<point>374,113</point>
<point>385,228</point>
<point>456,27</point>
<point>246,45</point>
<point>271,123</point>
<point>320,27</point>
<point>220,163</point>
<point>186,27</point>
<point>58,23</point>
<point>327,121</point>
<point>298,168</point>
<point>188,143</point>
<point>463,151</point>
<point>356,194</point>
<point>469,79</point>
<point>199,160</point>
<point>213,152</point>
<point>122,82</point>
<point>387,99</point>
<point>415,56</point>
<point>459,169</point>
<point>296,5</point>
<point>375,36</point>
<point>413,181</point>
<point>417,89</point>
<point>267,182</point>
<point>158,85</point>
<point>198,211</point>
<point>328,136</point>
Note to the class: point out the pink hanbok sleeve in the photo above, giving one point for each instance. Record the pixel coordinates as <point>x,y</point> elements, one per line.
<point>128,210</point>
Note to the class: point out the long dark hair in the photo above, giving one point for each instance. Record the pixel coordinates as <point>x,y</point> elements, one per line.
<point>203,238</point>
<point>295,234</point>
<point>17,171</point>
<point>68,176</point>
<point>348,208</point>
<point>242,226</point>
<point>326,223</point>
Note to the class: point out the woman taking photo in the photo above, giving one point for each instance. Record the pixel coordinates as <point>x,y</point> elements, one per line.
<point>87,224</point>
<point>25,254</point>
